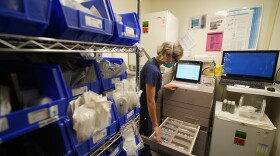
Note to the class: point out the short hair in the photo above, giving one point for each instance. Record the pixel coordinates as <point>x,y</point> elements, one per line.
<point>164,51</point>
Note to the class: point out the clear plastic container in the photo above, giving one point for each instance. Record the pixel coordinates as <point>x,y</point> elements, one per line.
<point>252,106</point>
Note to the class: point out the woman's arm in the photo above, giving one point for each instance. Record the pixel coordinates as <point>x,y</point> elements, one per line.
<point>150,97</point>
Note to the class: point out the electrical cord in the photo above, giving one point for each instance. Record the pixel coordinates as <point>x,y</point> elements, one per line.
<point>205,69</point>
<point>276,81</point>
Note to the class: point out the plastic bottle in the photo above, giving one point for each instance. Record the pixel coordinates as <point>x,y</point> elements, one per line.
<point>232,108</point>
<point>224,106</point>
<point>228,106</point>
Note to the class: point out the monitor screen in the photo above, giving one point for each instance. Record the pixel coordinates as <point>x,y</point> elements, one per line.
<point>189,71</point>
<point>251,65</point>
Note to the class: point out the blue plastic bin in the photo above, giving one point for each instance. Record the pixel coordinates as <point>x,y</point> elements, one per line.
<point>50,140</point>
<point>108,83</point>
<point>49,81</point>
<point>72,24</point>
<point>114,149</point>
<point>127,33</point>
<point>24,17</point>
<point>94,86</point>
<point>88,146</point>
<point>131,114</point>
<point>54,140</point>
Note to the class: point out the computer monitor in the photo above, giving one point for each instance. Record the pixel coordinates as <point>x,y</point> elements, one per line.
<point>188,71</point>
<point>250,65</point>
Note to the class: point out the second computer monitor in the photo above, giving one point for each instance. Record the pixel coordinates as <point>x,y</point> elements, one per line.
<point>250,65</point>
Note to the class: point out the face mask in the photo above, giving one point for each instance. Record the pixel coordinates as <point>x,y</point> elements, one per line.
<point>169,65</point>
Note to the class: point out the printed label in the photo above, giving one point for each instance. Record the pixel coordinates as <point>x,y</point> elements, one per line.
<point>115,152</point>
<point>3,124</point>
<point>129,32</point>
<point>38,115</point>
<point>93,22</point>
<point>48,121</point>
<point>240,138</point>
<point>99,135</point>
<point>115,80</point>
<point>53,111</point>
<point>129,114</point>
<point>79,91</point>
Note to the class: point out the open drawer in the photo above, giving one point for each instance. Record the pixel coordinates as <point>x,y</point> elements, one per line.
<point>178,138</point>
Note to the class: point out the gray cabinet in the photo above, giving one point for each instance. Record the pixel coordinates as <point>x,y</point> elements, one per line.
<point>194,106</point>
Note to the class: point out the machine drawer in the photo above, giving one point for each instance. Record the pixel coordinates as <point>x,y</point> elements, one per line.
<point>186,117</point>
<point>189,96</point>
<point>187,108</point>
<point>178,138</point>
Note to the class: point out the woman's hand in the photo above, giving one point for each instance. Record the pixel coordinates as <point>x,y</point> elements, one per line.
<point>170,86</point>
<point>158,135</point>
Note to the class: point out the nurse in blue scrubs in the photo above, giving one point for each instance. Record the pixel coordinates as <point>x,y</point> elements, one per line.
<point>150,83</point>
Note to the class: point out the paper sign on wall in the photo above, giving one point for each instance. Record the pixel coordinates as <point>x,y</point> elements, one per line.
<point>145,27</point>
<point>216,23</point>
<point>214,41</point>
<point>197,22</point>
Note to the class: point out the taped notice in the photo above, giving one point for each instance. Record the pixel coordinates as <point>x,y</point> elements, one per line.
<point>93,22</point>
<point>115,152</point>
<point>79,91</point>
<point>99,135</point>
<point>38,115</point>
<point>129,32</point>
<point>115,80</point>
<point>4,125</point>
<point>129,114</point>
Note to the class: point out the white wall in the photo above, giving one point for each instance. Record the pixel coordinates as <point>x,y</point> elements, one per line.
<point>275,108</point>
<point>185,8</point>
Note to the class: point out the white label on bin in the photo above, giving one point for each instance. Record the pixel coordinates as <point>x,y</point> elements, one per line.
<point>129,114</point>
<point>79,91</point>
<point>99,135</point>
<point>4,124</point>
<point>38,115</point>
<point>115,80</point>
<point>129,32</point>
<point>53,111</point>
<point>115,151</point>
<point>93,22</point>
<point>48,121</point>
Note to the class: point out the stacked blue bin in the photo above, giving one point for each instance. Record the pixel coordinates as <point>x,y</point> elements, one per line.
<point>71,24</point>
<point>94,85</point>
<point>126,33</point>
<point>109,83</point>
<point>53,140</point>
<point>49,81</point>
<point>115,149</point>
<point>50,140</point>
<point>131,114</point>
<point>24,17</point>
<point>88,146</point>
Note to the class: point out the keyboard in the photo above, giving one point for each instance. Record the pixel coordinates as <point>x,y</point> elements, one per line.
<point>184,84</point>
<point>251,84</point>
